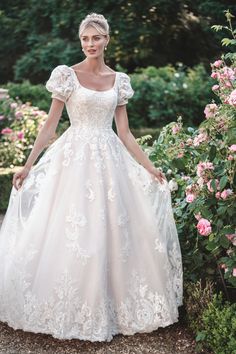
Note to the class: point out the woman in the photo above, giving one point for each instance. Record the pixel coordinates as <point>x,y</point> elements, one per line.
<point>88,246</point>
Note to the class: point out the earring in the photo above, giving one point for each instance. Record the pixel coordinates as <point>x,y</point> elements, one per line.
<point>82,49</point>
<point>105,48</point>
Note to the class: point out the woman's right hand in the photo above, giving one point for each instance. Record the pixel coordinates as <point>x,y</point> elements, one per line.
<point>19,177</point>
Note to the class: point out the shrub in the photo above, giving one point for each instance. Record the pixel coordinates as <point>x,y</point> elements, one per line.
<point>218,327</point>
<point>19,127</point>
<point>200,165</point>
<point>163,93</point>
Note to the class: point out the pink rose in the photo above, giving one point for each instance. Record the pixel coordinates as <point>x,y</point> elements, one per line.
<point>217,195</point>
<point>231,238</point>
<point>204,227</point>
<point>215,87</point>
<point>234,272</point>
<point>18,114</point>
<point>217,63</point>
<point>202,166</point>
<point>13,105</point>
<point>226,193</point>
<point>214,75</point>
<point>210,110</point>
<point>200,138</point>
<point>6,131</point>
<point>233,148</point>
<point>180,155</point>
<point>197,216</point>
<point>210,187</point>
<point>232,98</point>
<point>175,129</point>
<point>230,158</point>
<point>190,198</point>
<point>2,117</point>
<point>20,135</point>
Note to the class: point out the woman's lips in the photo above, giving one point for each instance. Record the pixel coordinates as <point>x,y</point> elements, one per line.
<point>91,51</point>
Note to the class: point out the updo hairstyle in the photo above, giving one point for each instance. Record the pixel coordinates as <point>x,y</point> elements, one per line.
<point>97,21</point>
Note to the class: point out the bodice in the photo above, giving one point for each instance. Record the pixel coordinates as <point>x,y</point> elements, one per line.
<point>87,108</point>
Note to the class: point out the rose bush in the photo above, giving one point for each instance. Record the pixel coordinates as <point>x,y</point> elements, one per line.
<point>19,126</point>
<point>200,165</point>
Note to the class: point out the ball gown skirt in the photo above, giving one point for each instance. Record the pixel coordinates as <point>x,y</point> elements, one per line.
<point>88,245</point>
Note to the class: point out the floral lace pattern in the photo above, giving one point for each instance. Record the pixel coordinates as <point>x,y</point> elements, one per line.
<point>88,245</point>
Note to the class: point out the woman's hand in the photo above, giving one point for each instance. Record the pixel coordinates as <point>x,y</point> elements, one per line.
<point>19,177</point>
<point>157,174</point>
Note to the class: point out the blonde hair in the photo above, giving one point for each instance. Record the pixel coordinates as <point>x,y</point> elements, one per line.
<point>97,21</point>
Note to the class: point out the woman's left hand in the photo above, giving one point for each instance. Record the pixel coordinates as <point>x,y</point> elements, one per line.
<point>157,174</point>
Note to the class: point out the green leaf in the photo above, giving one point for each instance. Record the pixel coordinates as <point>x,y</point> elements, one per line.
<point>179,164</point>
<point>212,153</point>
<point>213,185</point>
<point>200,336</point>
<point>224,242</point>
<point>223,182</point>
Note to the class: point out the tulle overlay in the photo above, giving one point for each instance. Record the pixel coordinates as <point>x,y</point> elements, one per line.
<point>88,246</point>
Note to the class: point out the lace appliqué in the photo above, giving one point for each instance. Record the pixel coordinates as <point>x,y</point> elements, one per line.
<point>76,220</point>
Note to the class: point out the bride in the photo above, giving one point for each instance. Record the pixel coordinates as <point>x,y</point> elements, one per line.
<point>88,245</point>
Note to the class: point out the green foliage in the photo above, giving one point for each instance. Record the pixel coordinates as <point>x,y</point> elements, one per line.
<point>6,175</point>
<point>35,35</point>
<point>163,93</point>
<point>218,327</point>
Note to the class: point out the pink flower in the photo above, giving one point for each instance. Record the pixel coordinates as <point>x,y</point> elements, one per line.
<point>20,135</point>
<point>189,141</point>
<point>175,129</point>
<point>6,131</point>
<point>217,195</point>
<point>202,166</point>
<point>226,193</point>
<point>233,148</point>
<point>215,87</point>
<point>230,158</point>
<point>227,74</point>
<point>13,105</point>
<point>18,114</point>
<point>200,138</point>
<point>231,238</point>
<point>204,227</point>
<point>210,110</point>
<point>234,272</point>
<point>214,75</point>
<point>190,198</point>
<point>232,98</point>
<point>2,117</point>
<point>180,155</point>
<point>197,216</point>
<point>210,187</point>
<point>217,63</point>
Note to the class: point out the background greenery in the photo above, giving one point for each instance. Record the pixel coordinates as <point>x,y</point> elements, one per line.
<point>36,35</point>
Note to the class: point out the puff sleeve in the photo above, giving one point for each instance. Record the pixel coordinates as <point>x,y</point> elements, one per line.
<point>60,83</point>
<point>125,90</point>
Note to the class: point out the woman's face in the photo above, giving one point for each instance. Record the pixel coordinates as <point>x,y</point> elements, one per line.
<point>93,42</point>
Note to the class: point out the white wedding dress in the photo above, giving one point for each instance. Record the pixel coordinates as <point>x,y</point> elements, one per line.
<point>88,245</point>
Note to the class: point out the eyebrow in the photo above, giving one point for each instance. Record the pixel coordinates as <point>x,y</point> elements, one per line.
<point>95,35</point>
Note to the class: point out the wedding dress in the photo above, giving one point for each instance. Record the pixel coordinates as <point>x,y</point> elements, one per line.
<point>88,245</point>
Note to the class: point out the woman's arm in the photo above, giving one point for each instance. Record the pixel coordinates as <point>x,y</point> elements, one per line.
<point>46,132</point>
<point>131,144</point>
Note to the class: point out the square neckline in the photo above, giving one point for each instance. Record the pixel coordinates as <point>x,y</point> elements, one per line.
<point>86,88</point>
